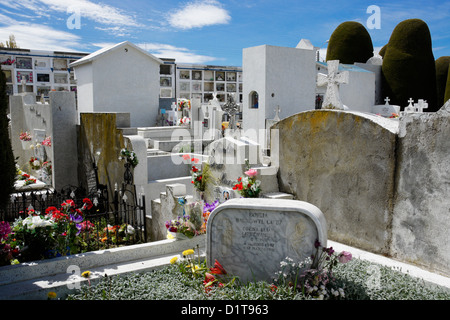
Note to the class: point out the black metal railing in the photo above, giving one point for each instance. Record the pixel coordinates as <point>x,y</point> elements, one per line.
<point>107,218</point>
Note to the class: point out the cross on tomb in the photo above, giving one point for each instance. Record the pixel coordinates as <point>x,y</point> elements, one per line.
<point>24,84</point>
<point>231,108</point>
<point>421,105</point>
<point>410,107</point>
<point>277,114</point>
<point>387,100</point>
<point>334,78</point>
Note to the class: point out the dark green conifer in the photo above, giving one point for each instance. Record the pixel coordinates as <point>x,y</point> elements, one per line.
<point>350,43</point>
<point>409,68</point>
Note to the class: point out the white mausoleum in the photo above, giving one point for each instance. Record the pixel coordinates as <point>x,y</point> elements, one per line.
<point>120,78</point>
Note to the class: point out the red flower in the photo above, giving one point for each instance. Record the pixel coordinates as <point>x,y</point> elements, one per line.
<point>194,169</point>
<point>195,160</point>
<point>87,203</point>
<point>238,186</point>
<point>218,269</point>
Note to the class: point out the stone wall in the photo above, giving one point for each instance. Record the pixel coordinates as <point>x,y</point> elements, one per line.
<point>421,220</point>
<point>382,184</point>
<point>100,141</point>
<point>343,163</point>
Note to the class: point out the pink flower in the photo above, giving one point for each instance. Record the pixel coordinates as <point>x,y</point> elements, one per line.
<point>251,173</point>
<point>345,257</point>
<point>186,157</point>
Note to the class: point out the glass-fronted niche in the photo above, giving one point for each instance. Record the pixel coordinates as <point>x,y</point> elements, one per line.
<point>24,63</point>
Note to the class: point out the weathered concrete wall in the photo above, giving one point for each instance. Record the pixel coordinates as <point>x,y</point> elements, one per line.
<point>421,221</point>
<point>343,163</point>
<point>98,134</point>
<point>382,184</point>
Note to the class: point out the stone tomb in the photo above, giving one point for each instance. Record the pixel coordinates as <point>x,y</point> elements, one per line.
<point>250,237</point>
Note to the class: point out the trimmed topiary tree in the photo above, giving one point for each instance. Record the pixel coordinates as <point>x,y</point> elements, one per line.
<point>350,43</point>
<point>442,65</point>
<point>409,68</point>
<point>7,162</point>
<point>447,87</point>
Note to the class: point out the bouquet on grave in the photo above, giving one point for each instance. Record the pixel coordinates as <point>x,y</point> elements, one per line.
<point>25,136</point>
<point>47,142</point>
<point>248,186</point>
<point>184,104</point>
<point>35,163</point>
<point>181,226</point>
<point>129,157</point>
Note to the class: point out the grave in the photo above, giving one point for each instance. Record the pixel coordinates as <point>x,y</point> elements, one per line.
<point>250,237</point>
<point>105,85</point>
<point>386,110</point>
<point>55,120</point>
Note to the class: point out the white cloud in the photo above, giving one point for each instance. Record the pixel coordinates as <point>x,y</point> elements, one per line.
<point>181,55</point>
<point>199,14</point>
<point>40,37</point>
<point>97,12</point>
<point>30,36</point>
<point>161,50</point>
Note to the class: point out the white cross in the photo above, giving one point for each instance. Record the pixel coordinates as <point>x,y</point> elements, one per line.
<point>277,112</point>
<point>421,105</point>
<point>24,84</point>
<point>410,107</point>
<point>334,78</point>
<point>387,100</point>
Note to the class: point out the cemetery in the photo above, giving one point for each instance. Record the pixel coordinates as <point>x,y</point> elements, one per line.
<point>312,160</point>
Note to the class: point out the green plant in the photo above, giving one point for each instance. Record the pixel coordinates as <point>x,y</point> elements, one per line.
<point>442,66</point>
<point>167,283</point>
<point>409,69</point>
<point>129,156</point>
<point>349,43</point>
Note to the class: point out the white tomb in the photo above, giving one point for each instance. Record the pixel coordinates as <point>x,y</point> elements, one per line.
<point>120,78</point>
<point>276,76</point>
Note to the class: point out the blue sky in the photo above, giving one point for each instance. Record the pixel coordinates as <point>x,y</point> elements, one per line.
<point>208,31</point>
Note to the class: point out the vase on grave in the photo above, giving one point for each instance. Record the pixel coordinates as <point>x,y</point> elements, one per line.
<point>26,144</point>
<point>199,195</point>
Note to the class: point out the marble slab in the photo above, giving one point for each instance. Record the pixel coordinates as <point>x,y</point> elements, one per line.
<point>250,237</point>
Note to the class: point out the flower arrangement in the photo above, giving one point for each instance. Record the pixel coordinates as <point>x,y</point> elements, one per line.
<point>60,231</point>
<point>191,224</point>
<point>29,181</point>
<point>47,142</point>
<point>200,177</point>
<point>314,276</point>
<point>129,157</point>
<point>184,104</point>
<point>47,166</point>
<point>8,62</point>
<point>25,136</point>
<point>35,163</point>
<point>248,186</point>
<point>184,121</point>
<point>181,226</point>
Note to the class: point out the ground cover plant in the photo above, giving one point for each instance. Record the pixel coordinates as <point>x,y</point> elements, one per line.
<point>190,279</point>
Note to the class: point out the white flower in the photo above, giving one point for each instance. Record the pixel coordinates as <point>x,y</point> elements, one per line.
<point>130,230</point>
<point>36,222</point>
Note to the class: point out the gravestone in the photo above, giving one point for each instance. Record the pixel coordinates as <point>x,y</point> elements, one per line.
<point>386,110</point>
<point>250,237</point>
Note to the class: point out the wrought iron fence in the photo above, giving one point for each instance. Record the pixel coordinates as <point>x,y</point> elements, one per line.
<point>105,220</point>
